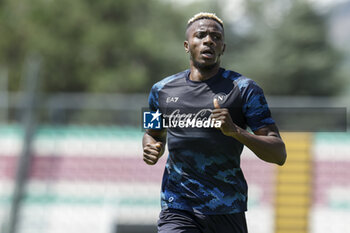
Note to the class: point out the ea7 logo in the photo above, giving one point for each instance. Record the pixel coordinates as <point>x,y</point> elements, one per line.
<point>172,99</point>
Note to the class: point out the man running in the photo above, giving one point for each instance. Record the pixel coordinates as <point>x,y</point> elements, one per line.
<point>203,187</point>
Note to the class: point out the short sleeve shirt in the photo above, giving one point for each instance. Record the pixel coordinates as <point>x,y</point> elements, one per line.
<point>203,172</point>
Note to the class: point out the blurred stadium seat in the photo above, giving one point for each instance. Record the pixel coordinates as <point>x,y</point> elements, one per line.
<point>91,178</point>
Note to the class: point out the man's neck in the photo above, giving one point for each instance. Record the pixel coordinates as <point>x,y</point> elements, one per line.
<point>198,74</point>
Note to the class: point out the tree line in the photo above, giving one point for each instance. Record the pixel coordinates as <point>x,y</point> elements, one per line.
<point>125,46</point>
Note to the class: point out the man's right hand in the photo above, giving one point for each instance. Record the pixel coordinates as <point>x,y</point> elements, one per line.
<point>152,152</point>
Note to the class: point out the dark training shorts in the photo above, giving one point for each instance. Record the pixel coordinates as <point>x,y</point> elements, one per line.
<point>180,221</point>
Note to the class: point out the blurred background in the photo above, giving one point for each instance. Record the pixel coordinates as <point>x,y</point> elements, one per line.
<point>75,75</point>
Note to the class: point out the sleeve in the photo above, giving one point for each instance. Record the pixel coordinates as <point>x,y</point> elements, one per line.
<point>153,99</point>
<point>255,107</point>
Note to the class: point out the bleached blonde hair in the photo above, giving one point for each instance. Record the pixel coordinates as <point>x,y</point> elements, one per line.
<point>204,15</point>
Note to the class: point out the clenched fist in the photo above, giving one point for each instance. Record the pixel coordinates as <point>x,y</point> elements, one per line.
<point>223,115</point>
<point>152,152</point>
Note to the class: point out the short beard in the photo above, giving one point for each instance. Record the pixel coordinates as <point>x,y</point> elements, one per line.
<point>203,67</point>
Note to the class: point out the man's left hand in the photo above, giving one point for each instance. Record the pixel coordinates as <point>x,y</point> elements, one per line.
<point>222,114</point>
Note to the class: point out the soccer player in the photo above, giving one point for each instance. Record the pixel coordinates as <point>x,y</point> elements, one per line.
<point>203,187</point>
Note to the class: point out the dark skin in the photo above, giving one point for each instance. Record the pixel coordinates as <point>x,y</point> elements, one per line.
<point>205,44</point>
<point>153,143</point>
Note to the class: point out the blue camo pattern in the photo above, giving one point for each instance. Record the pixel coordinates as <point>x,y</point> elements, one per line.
<point>203,195</point>
<point>255,107</point>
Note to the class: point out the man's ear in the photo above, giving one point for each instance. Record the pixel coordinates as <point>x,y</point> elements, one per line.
<point>223,49</point>
<point>187,49</point>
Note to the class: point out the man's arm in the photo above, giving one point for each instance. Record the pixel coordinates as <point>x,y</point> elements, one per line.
<point>266,142</point>
<point>153,144</point>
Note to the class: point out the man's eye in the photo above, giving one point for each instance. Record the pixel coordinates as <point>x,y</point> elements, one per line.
<point>200,34</point>
<point>216,37</point>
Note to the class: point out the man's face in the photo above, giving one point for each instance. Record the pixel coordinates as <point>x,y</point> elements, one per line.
<point>205,42</point>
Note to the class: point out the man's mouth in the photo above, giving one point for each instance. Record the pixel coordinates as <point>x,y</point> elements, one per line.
<point>207,53</point>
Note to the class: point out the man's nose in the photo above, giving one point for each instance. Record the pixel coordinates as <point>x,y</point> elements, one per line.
<point>208,40</point>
